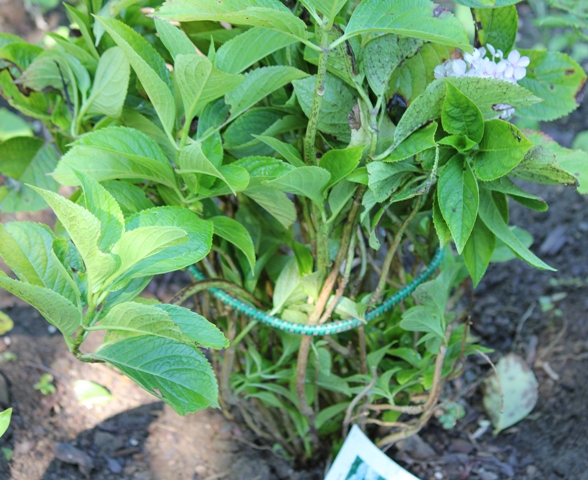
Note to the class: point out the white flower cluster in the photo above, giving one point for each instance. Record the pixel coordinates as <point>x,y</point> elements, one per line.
<point>476,64</point>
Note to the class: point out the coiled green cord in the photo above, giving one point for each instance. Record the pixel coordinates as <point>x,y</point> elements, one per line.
<point>327,328</point>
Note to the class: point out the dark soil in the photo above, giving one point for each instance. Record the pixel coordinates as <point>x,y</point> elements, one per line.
<point>133,437</point>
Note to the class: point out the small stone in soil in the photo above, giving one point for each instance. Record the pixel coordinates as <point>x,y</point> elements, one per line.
<point>69,454</point>
<point>113,465</point>
<point>417,448</point>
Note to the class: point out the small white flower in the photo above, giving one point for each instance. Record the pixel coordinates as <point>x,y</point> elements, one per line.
<point>477,64</point>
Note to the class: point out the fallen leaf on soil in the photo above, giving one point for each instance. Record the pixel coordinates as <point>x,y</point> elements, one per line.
<point>510,394</point>
<point>6,323</point>
<point>68,454</point>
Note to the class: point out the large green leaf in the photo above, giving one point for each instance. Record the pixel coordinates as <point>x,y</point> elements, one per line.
<point>198,245</point>
<point>149,67</point>
<point>115,153</point>
<point>103,205</point>
<point>27,161</point>
<point>340,163</point>
<point>276,203</point>
<point>417,142</point>
<point>557,79</point>
<point>541,165</point>
<point>175,372</point>
<point>176,41</point>
<point>109,88</point>
<point>131,199</point>
<point>200,82</point>
<point>502,148</point>
<point>460,115</point>
<point>306,181</point>
<point>384,179</point>
<point>258,84</point>
<point>260,13</point>
<point>506,185</point>
<point>458,198</point>
<point>487,3</point>
<point>415,18</point>
<point>478,251</point>
<point>261,169</point>
<point>131,319</point>
<point>27,248</point>
<point>337,104</point>
<point>138,245</point>
<point>195,326</point>
<point>286,150</point>
<point>383,55</point>
<point>492,218</point>
<point>57,310</point>
<point>244,50</point>
<point>497,26</point>
<point>84,228</point>
<point>235,233</point>
<point>422,319</point>
<point>486,93</point>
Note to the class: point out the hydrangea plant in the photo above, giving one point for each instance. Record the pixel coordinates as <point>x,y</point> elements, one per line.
<point>314,159</point>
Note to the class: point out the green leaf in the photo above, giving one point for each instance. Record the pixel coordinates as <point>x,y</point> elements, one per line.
<point>133,319</point>
<point>176,41</point>
<point>384,178</point>
<point>460,115</point>
<point>506,185</point>
<point>27,161</point>
<point>83,22</point>
<point>417,18</point>
<point>84,229</point>
<point>240,137</point>
<point>5,420</point>
<point>57,310</point>
<point>557,79</point>
<point>502,148</point>
<point>306,181</point>
<point>340,163</point>
<point>27,248</point>
<point>487,3</point>
<point>492,218</point>
<point>329,8</point>
<point>200,83</point>
<point>337,104</point>
<point>259,13</point>
<point>422,319</point>
<point>90,393</point>
<point>195,326</point>
<point>12,125</point>
<point>497,26</point>
<point>478,251</point>
<point>103,205</point>
<point>6,323</point>
<point>149,67</point>
<point>138,245</point>
<point>458,198</point>
<point>198,245</point>
<point>276,203</point>
<point>244,50</point>
<point>460,142</point>
<point>443,232</point>
<point>504,254</point>
<point>131,199</point>
<point>115,153</point>
<point>422,139</point>
<point>174,372</point>
<point>383,55</point>
<point>286,150</point>
<point>540,165</point>
<point>287,286</point>
<point>235,233</point>
<point>109,88</point>
<point>486,93</point>
<point>258,84</point>
<point>263,168</point>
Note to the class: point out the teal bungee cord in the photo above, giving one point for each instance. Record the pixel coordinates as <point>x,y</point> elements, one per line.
<point>327,328</point>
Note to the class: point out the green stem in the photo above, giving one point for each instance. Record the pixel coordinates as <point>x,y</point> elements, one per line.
<point>319,91</point>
